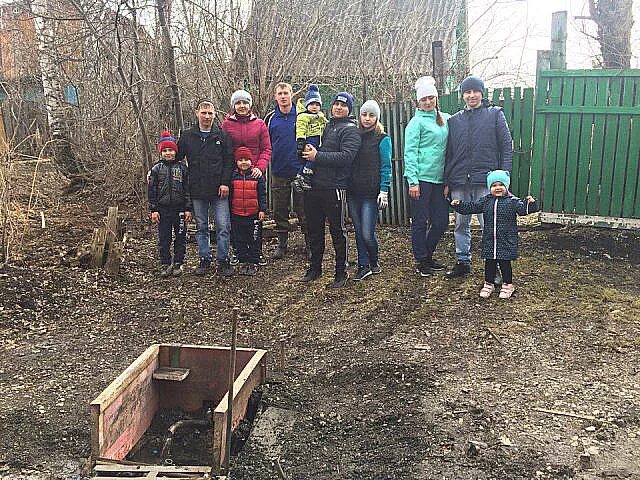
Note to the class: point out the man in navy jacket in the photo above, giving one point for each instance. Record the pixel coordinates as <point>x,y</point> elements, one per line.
<point>281,123</point>
<point>479,142</point>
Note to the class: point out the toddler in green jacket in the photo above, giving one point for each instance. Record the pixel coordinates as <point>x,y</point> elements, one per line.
<point>310,124</point>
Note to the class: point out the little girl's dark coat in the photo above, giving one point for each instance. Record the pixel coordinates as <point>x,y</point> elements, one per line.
<point>500,234</point>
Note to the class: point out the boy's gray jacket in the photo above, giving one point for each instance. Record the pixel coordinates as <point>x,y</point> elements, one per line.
<point>479,141</point>
<point>340,145</point>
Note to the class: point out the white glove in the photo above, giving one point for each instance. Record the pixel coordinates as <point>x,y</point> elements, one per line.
<point>383,200</point>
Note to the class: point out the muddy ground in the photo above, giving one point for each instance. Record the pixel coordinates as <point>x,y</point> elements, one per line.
<point>396,377</point>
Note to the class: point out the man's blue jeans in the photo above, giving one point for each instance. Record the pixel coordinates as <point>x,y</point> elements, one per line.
<point>364,214</point>
<point>462,232</point>
<point>222,220</point>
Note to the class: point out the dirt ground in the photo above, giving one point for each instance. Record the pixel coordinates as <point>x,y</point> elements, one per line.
<point>396,377</point>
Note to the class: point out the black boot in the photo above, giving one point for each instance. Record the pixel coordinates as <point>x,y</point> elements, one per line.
<point>307,246</point>
<point>281,249</point>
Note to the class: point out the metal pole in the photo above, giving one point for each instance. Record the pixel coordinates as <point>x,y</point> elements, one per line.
<point>232,376</point>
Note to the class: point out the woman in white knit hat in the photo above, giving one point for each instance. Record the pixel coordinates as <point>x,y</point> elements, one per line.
<point>424,157</point>
<point>368,188</point>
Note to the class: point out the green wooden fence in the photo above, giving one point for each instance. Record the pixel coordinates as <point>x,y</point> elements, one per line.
<point>518,109</point>
<point>576,144</point>
<point>587,142</point>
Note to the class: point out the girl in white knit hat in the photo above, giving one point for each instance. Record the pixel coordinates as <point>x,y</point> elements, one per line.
<point>424,156</point>
<point>368,188</point>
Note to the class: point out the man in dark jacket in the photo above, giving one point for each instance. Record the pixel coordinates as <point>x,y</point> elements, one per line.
<point>479,142</point>
<point>281,123</point>
<point>327,198</point>
<point>209,155</point>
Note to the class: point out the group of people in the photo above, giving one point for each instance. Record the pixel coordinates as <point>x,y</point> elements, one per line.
<point>326,164</point>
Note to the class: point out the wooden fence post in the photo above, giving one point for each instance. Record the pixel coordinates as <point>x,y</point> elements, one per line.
<point>559,40</point>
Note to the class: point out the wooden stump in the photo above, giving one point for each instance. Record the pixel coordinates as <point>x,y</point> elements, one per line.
<point>107,245</point>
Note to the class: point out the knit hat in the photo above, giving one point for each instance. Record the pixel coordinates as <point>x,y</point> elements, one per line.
<point>241,95</point>
<point>371,106</point>
<point>313,95</point>
<point>501,176</point>
<point>167,141</point>
<point>345,97</point>
<point>426,87</point>
<point>242,152</point>
<point>472,83</point>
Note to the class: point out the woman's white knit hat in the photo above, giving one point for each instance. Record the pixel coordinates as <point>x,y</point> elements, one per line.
<point>371,106</point>
<point>240,95</point>
<point>426,87</point>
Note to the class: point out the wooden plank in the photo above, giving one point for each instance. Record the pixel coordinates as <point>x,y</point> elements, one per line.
<point>190,469</point>
<point>584,155</point>
<point>527,139</point>
<point>495,98</point>
<point>171,374</point>
<point>573,148</point>
<point>590,73</point>
<point>597,151</point>
<point>114,258</point>
<point>97,247</point>
<point>621,152</point>
<point>590,220</point>
<point>609,156</point>
<point>604,109</point>
<point>111,228</point>
<point>249,378</point>
<point>549,167</point>
<point>561,151</point>
<point>632,184</point>
<point>126,408</point>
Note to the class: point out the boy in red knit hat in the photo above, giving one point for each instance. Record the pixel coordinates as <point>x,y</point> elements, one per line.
<point>170,205</point>
<point>248,203</point>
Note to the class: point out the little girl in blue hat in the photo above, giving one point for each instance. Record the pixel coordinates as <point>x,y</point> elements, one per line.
<point>500,233</point>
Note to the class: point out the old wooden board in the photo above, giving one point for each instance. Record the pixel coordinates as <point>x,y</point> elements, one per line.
<point>590,220</point>
<point>171,374</point>
<point>118,471</point>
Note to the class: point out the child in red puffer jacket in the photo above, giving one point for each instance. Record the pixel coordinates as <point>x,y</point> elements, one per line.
<point>248,196</point>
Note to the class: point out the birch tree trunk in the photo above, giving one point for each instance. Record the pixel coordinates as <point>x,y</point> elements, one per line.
<point>61,145</point>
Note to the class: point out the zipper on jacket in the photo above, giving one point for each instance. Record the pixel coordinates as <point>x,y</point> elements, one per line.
<point>495,229</point>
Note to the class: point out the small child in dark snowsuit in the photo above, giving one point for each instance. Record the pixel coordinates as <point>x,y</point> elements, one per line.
<point>500,233</point>
<point>170,205</point>
<point>310,124</point>
<point>248,197</point>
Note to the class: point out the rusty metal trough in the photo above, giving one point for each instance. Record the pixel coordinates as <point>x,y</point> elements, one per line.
<point>172,376</point>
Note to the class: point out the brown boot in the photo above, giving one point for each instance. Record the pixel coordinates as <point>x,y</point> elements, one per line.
<point>281,249</point>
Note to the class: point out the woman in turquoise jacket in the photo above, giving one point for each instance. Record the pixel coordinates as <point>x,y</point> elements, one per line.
<point>424,155</point>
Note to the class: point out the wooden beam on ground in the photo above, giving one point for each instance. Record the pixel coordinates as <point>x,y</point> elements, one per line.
<point>590,220</point>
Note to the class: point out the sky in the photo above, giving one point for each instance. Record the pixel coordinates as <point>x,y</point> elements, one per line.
<point>504,36</point>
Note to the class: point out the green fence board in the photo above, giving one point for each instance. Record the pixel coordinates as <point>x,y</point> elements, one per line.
<point>527,140</point>
<point>622,151</point>
<point>632,184</point>
<point>549,172</point>
<point>539,139</point>
<point>609,153</point>
<point>561,150</point>
<point>573,149</point>
<point>584,158</point>
<point>597,151</point>
<point>516,133</point>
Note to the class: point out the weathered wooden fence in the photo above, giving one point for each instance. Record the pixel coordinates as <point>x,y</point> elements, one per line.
<point>587,146</point>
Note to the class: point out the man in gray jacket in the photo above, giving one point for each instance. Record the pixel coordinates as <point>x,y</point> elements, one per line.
<point>479,142</point>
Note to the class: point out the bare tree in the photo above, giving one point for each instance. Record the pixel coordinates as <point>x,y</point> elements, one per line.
<point>49,68</point>
<point>614,19</point>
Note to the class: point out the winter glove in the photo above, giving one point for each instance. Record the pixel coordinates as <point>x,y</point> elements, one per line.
<point>383,200</point>
<point>300,143</point>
